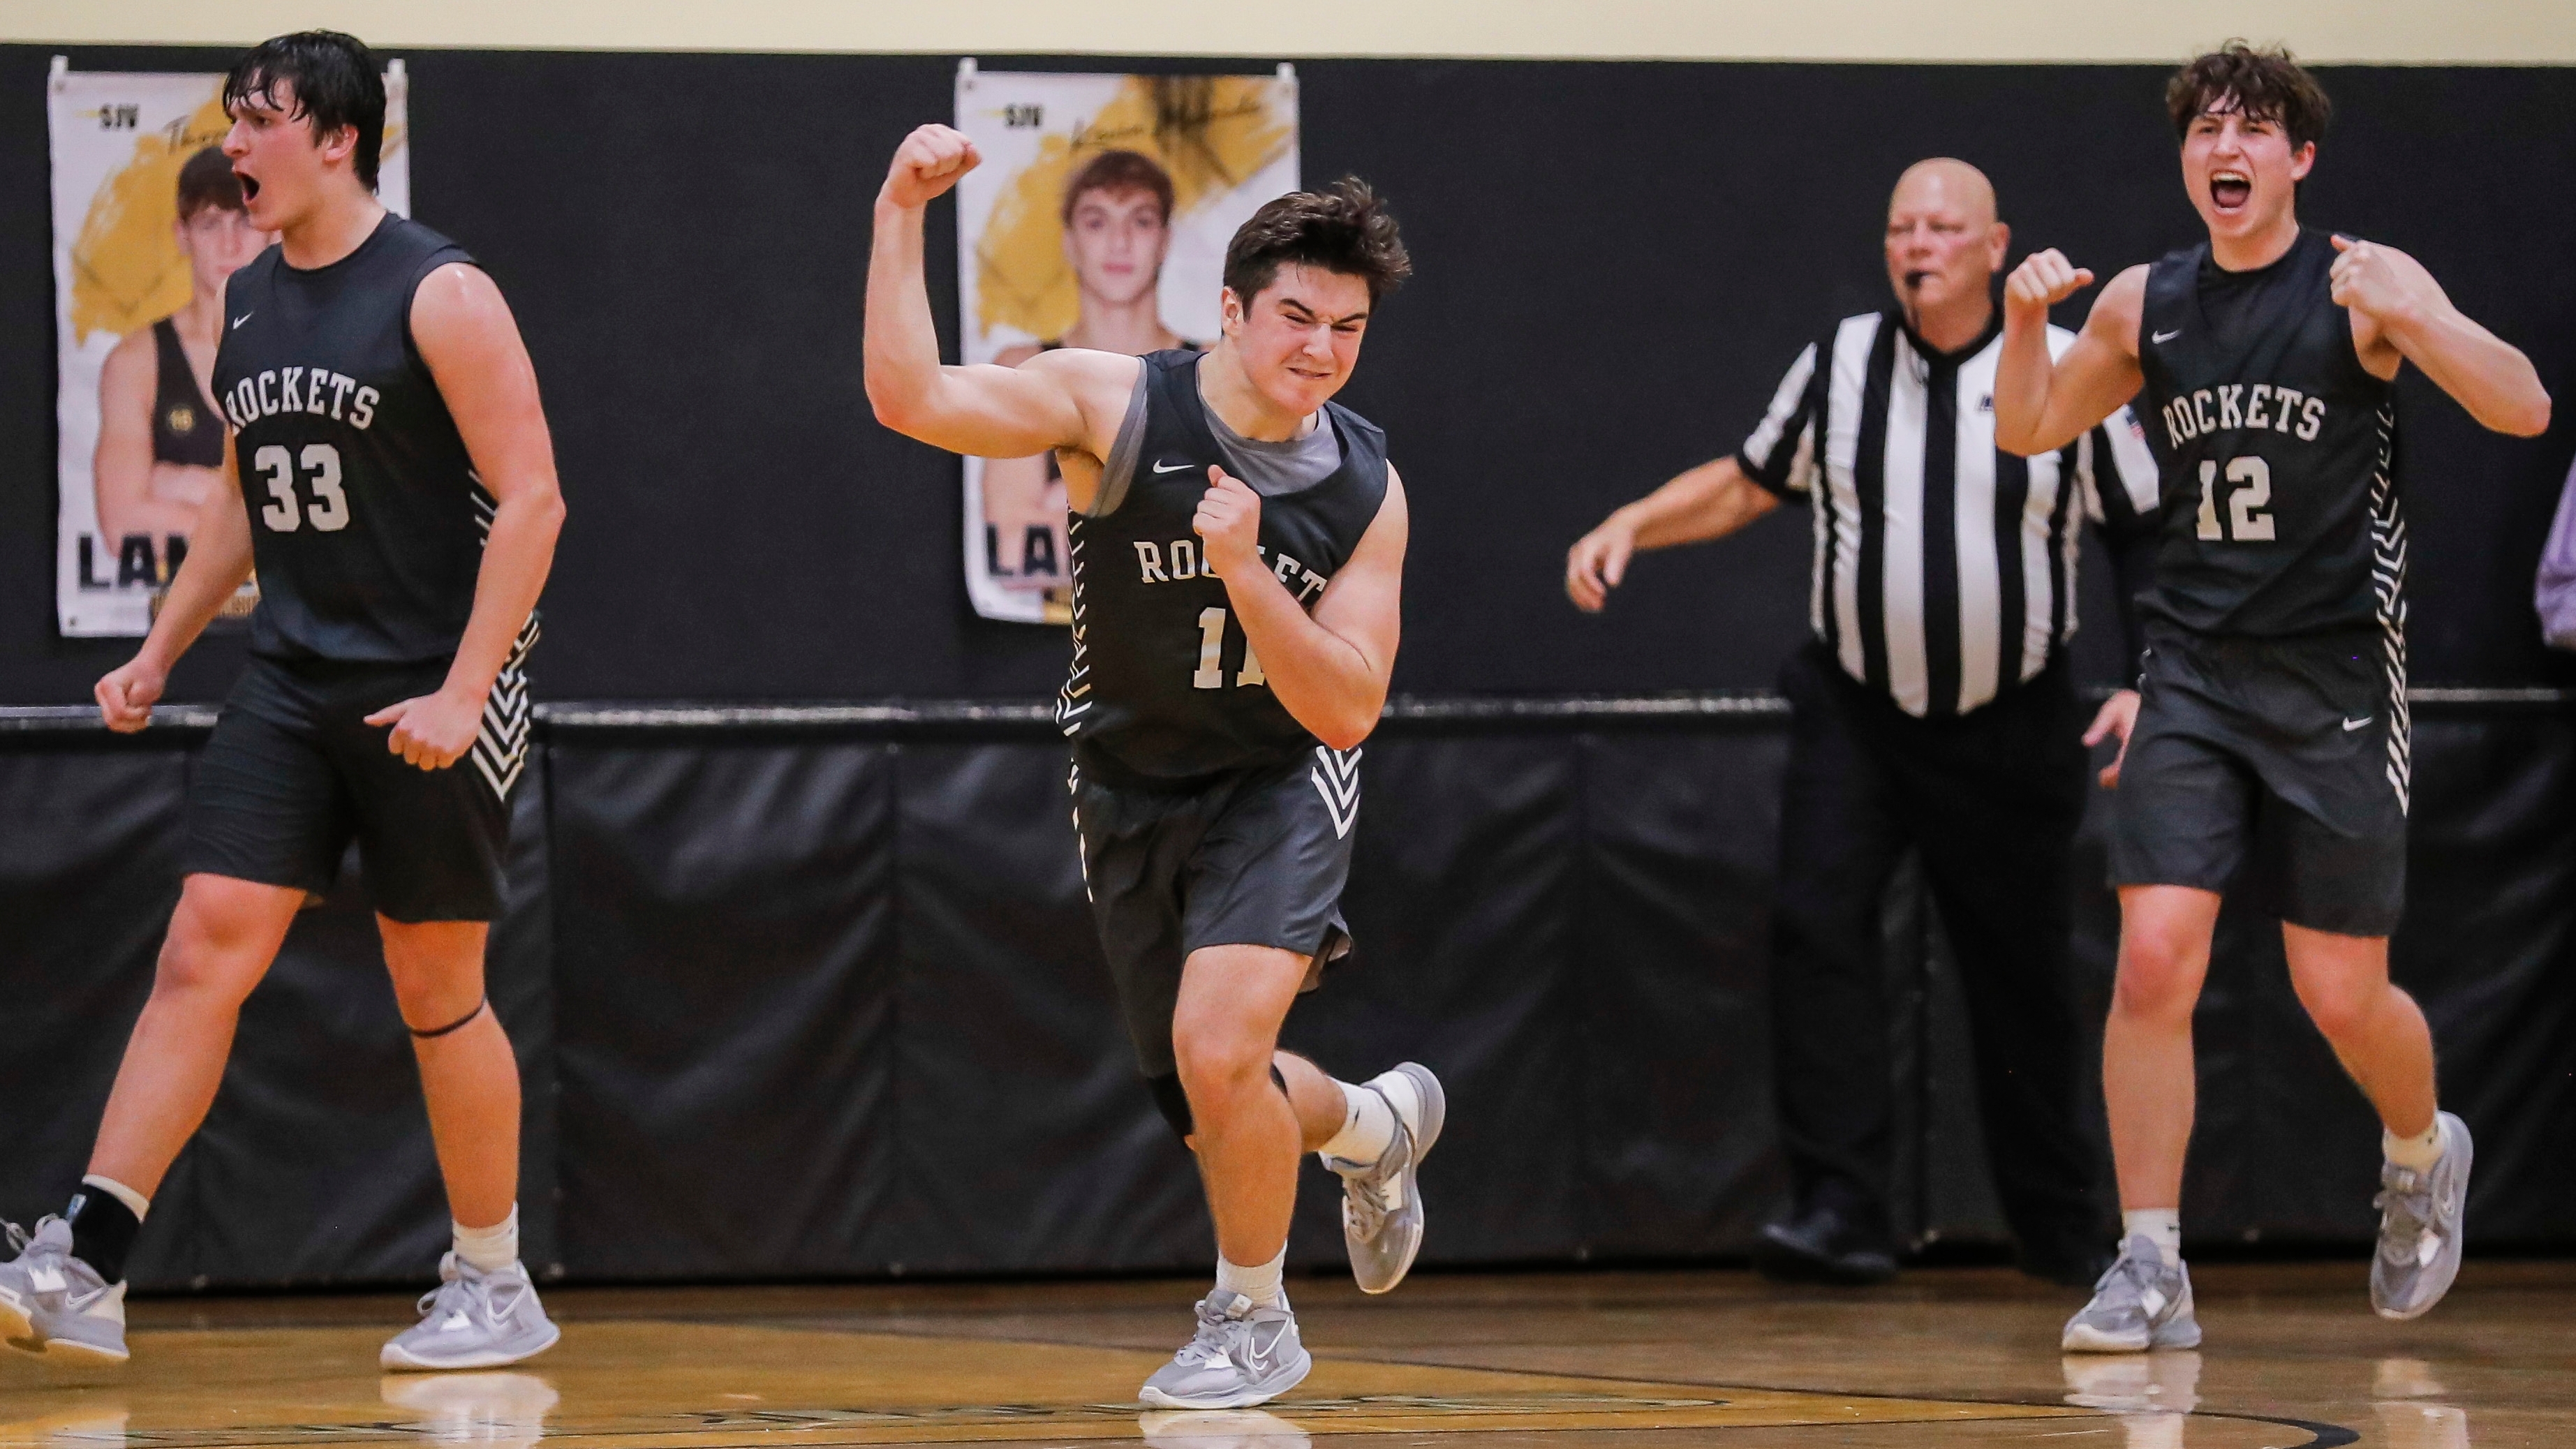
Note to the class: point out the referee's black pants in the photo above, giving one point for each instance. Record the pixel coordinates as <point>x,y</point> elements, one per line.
<point>1991,799</point>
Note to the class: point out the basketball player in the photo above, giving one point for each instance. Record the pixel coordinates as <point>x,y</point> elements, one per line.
<point>1238,548</point>
<point>1117,218</point>
<point>402,510</point>
<point>2273,732</point>
<point>160,438</point>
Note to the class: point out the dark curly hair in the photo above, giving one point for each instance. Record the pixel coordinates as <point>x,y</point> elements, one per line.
<point>1343,228</point>
<point>333,81</point>
<point>2260,85</point>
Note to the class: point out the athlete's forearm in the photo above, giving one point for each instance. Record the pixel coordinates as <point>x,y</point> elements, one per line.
<point>517,555</point>
<point>901,341</point>
<point>1324,681</point>
<point>1707,502</point>
<point>2484,373</point>
<point>2025,374</point>
<point>219,559</point>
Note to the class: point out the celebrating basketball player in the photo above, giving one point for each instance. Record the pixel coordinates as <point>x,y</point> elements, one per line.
<point>1238,551</point>
<point>384,423</point>
<point>2273,733</point>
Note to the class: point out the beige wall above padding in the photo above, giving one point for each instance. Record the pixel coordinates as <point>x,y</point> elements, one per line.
<point>2460,32</point>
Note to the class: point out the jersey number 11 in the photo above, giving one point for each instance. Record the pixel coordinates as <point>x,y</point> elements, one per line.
<point>1211,671</point>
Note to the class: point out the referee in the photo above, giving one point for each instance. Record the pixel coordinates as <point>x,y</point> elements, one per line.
<point>1932,708</point>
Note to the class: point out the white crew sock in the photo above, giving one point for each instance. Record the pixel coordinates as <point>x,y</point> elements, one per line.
<point>2160,1226</point>
<point>490,1249</point>
<point>1263,1285</point>
<point>135,1202</point>
<point>1368,1125</point>
<point>2416,1153</point>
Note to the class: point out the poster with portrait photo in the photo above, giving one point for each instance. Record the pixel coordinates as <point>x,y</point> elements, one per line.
<point>1098,218</point>
<point>148,223</point>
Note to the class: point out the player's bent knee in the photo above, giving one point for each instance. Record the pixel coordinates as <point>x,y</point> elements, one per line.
<point>2156,985</point>
<point>1216,1067</point>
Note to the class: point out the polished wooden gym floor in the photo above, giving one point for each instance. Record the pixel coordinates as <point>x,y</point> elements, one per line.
<point>1542,1361</point>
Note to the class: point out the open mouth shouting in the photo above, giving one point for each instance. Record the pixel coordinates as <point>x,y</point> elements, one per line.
<point>249,184</point>
<point>2230,189</point>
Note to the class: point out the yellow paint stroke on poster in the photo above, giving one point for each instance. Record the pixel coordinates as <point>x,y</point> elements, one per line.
<point>127,269</point>
<point>1211,133</point>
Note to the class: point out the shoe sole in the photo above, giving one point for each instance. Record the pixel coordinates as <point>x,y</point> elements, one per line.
<point>16,1323</point>
<point>394,1361</point>
<point>66,1348</point>
<point>2453,1251</point>
<point>1435,1115</point>
<point>1241,1398</point>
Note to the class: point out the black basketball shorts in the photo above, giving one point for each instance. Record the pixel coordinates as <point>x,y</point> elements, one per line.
<point>293,773</point>
<point>1253,859</point>
<point>2286,759</point>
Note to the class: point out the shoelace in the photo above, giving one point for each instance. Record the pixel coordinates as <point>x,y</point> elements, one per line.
<point>477,1293</point>
<point>1364,1206</point>
<point>1210,1342</point>
<point>21,1239</point>
<point>2405,1203</point>
<point>2137,1275</point>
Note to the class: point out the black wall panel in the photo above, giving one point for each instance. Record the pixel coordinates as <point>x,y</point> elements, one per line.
<point>724,950</point>
<point>828,1005</point>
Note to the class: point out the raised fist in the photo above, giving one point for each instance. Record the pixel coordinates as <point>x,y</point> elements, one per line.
<point>2043,280</point>
<point>929,161</point>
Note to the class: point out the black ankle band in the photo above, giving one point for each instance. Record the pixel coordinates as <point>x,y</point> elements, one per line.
<point>458,1024</point>
<point>103,1230</point>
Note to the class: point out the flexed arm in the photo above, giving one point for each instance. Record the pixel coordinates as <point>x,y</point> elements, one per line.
<point>2398,310</point>
<point>1057,399</point>
<point>2043,404</point>
<point>1329,669</point>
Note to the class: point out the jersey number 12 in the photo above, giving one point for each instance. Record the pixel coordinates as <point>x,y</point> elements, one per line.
<point>2246,522</point>
<point>1211,671</point>
<point>329,510</point>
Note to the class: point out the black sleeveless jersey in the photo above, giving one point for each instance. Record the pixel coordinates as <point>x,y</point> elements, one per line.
<point>367,519</point>
<point>2280,502</point>
<point>184,428</point>
<point>1163,685</point>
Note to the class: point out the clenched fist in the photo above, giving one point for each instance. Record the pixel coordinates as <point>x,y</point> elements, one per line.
<point>2377,281</point>
<point>929,161</point>
<point>126,695</point>
<point>2043,280</point>
<point>1229,521</point>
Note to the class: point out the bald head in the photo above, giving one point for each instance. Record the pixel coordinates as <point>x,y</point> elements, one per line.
<point>1943,248</point>
<point>1945,183</point>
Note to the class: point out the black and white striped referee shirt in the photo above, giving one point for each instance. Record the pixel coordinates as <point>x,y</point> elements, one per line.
<point>1944,566</point>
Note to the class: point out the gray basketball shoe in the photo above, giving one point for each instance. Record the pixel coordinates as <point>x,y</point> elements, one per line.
<point>53,1303</point>
<point>2420,1227</point>
<point>2140,1302</point>
<point>1242,1355</point>
<point>1382,1200</point>
<point>474,1320</point>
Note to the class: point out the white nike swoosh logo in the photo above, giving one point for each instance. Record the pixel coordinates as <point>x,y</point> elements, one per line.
<point>2353,724</point>
<point>2166,336</point>
<point>237,321</point>
<point>1175,468</point>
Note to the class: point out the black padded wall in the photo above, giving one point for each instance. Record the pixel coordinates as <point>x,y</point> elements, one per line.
<point>850,977</point>
<point>1617,261</point>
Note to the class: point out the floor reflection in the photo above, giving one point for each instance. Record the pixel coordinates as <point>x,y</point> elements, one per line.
<point>502,1410</point>
<point>2151,1392</point>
